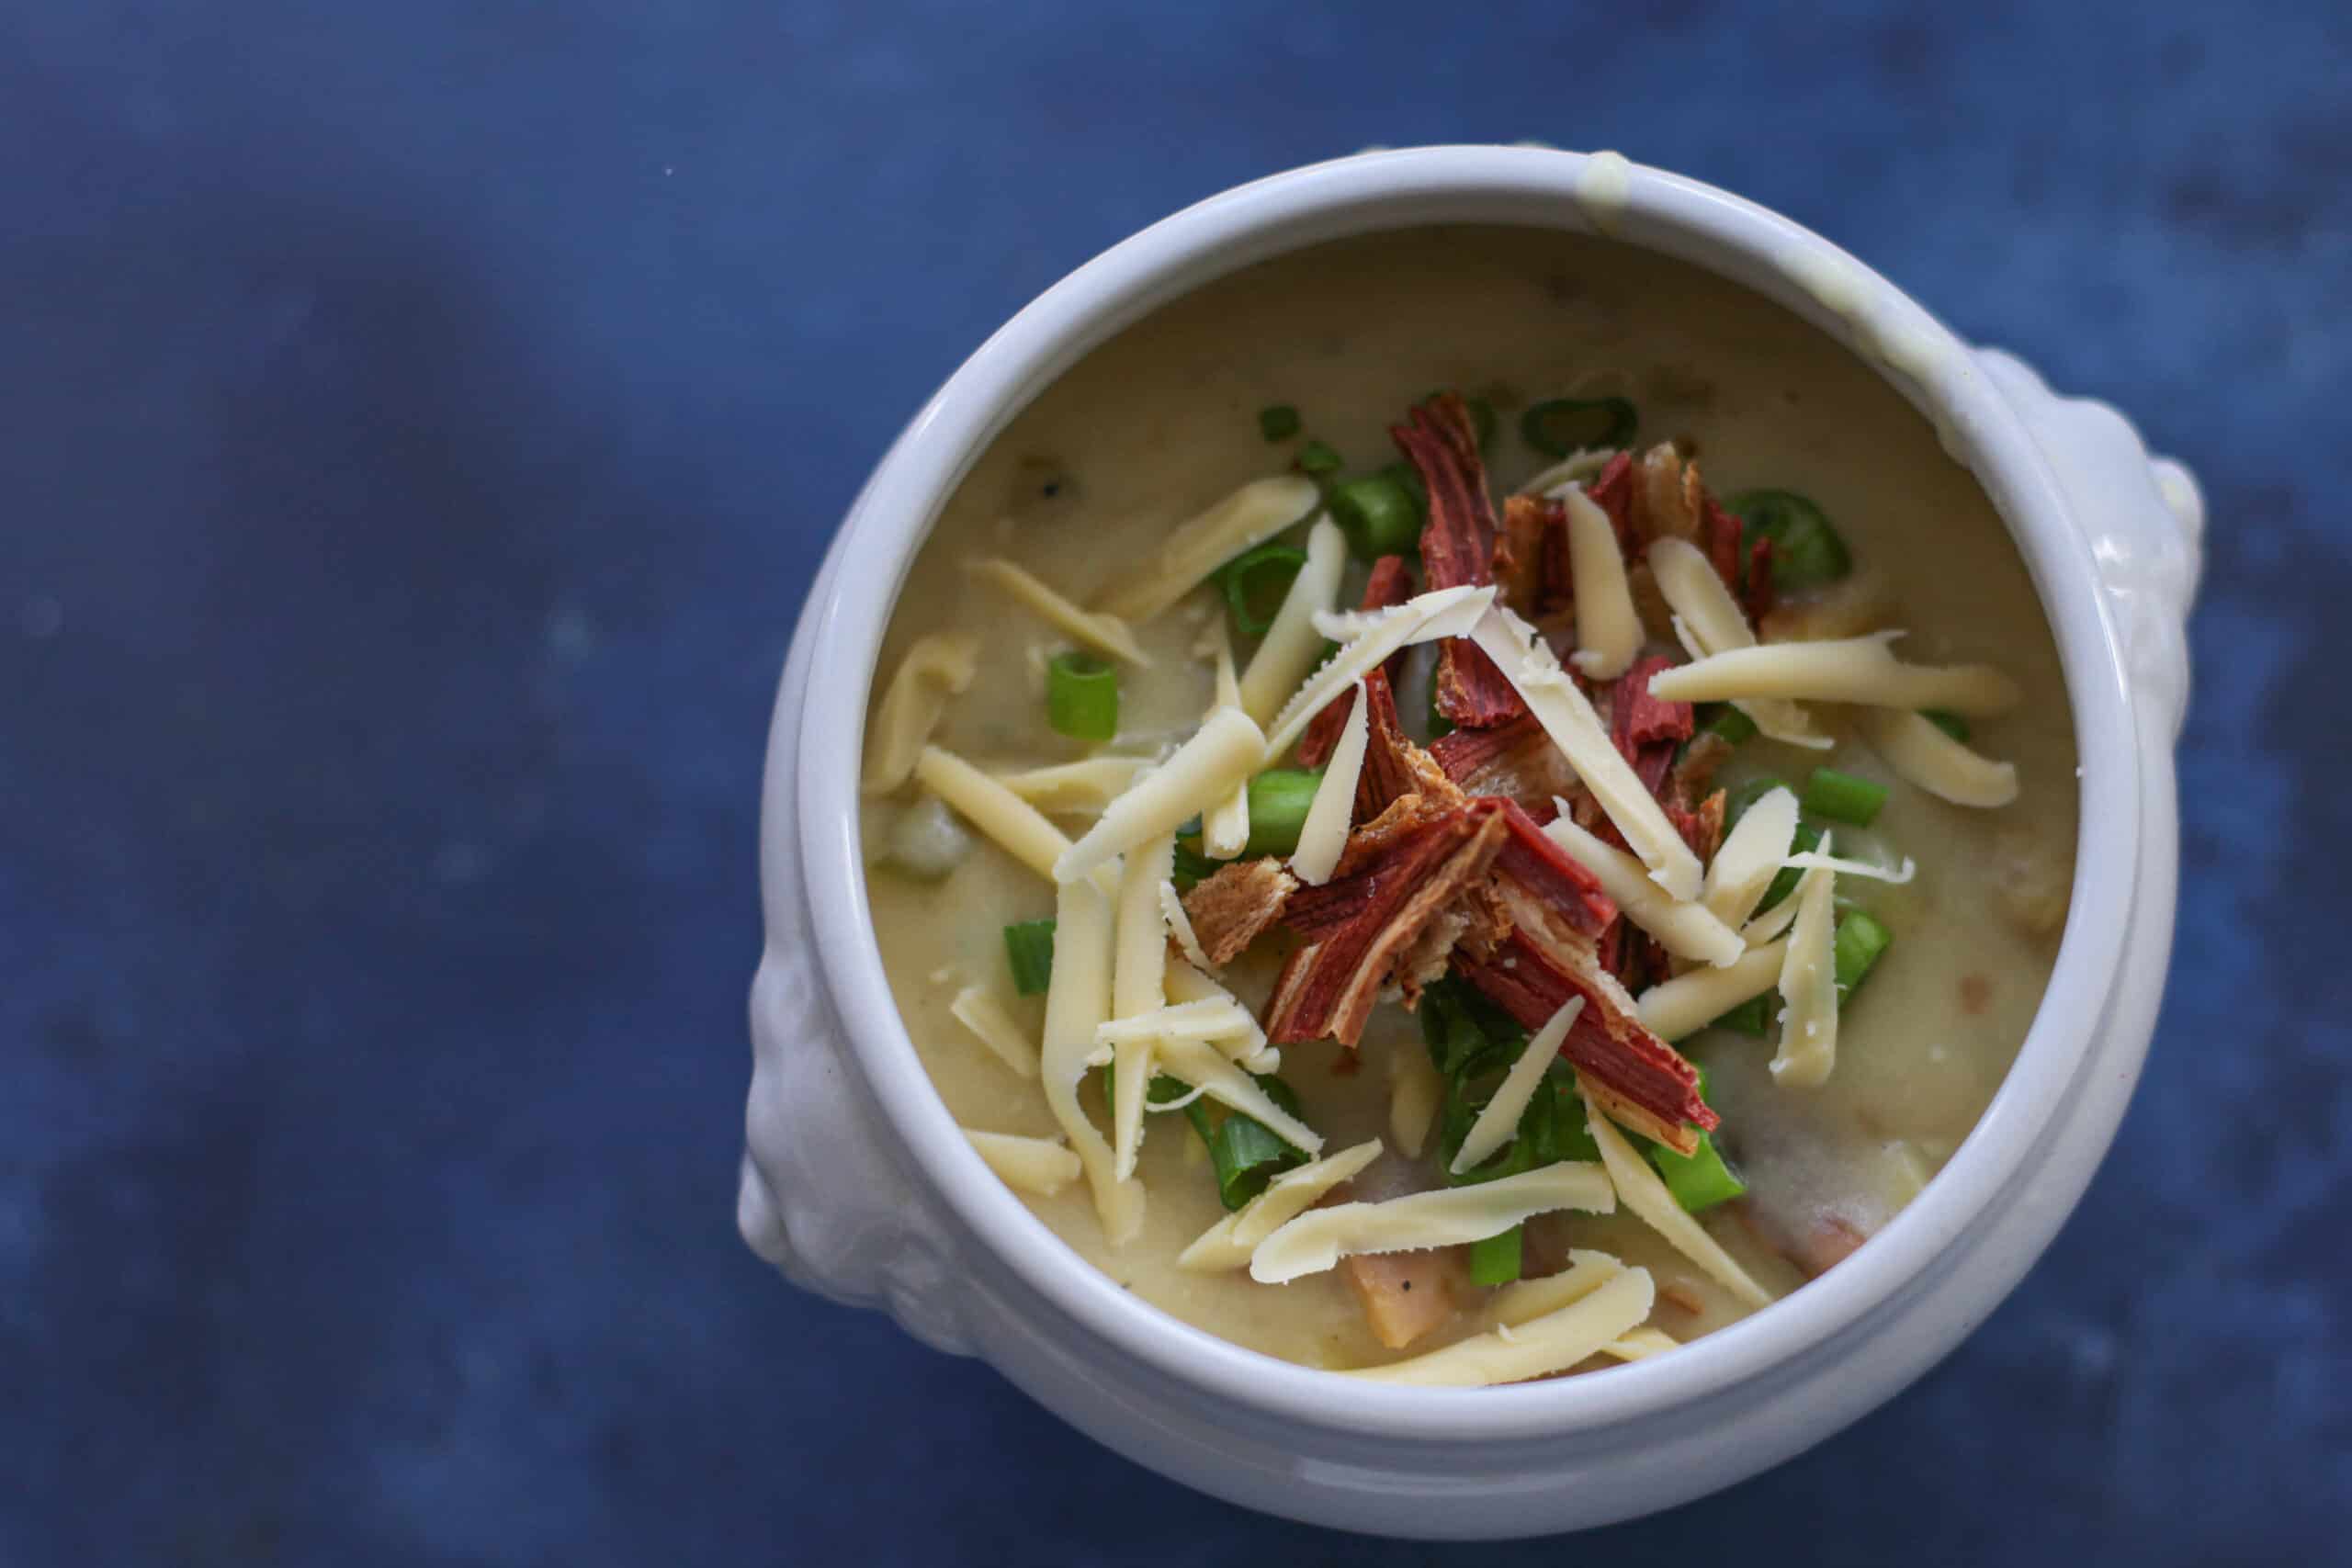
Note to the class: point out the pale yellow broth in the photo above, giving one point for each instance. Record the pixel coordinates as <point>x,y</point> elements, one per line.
<point>1161,421</point>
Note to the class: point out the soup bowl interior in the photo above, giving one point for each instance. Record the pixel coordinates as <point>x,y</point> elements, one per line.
<point>1758,250</point>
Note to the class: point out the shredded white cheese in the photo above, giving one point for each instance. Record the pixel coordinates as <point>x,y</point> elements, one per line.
<point>939,666</point>
<point>1225,828</point>
<point>1445,612</point>
<point>1106,635</point>
<point>1324,835</point>
<point>1808,1047</point>
<point>1523,1300</point>
<point>1180,927</point>
<point>1138,987</point>
<point>1415,1090</point>
<point>1554,482</point>
<point>1549,1344</point>
<point>1707,619</point>
<point>1498,1119</point>
<point>1288,651</point>
<point>1639,1344</point>
<point>1675,1009</point>
<point>1608,629</point>
<point>1750,858</point>
<point>1202,1067</point>
<point>1568,717</point>
<point>1224,752</point>
<point>978,1009</point>
<point>1227,1244</point>
<point>1925,756</point>
<point>1317,1240</point>
<point>1644,1192</point>
<point>1187,984</point>
<point>1771,925</point>
<point>1087,785</point>
<point>1813,859</point>
<point>1860,670</point>
<point>1686,930</point>
<point>1209,1017</point>
<point>1077,1000</point>
<point>1026,1165</point>
<point>1015,826</point>
<point>1247,517</point>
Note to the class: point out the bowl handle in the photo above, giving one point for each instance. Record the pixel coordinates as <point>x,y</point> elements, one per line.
<point>822,1194</point>
<point>2146,517</point>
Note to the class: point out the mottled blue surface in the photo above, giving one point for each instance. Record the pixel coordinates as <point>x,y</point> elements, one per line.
<point>417,424</point>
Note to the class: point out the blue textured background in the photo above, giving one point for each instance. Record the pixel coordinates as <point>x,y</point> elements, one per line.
<point>417,424</point>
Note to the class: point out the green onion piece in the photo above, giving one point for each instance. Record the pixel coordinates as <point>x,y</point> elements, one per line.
<point>1842,797</point>
<point>1082,696</point>
<point>1278,801</point>
<point>1315,457</point>
<point>1246,1153</point>
<point>1806,551</point>
<point>1029,949</point>
<point>1279,422</point>
<point>1698,1180</point>
<point>1191,865</point>
<point>1807,840</point>
<point>1951,723</point>
<point>1379,516</point>
<point>1750,1017</point>
<point>1404,473</point>
<point>1733,726</point>
<point>1255,584</point>
<point>1747,793</point>
<point>1496,1260</point>
<point>1862,938</point>
<point>1564,425</point>
<point>1574,1138</point>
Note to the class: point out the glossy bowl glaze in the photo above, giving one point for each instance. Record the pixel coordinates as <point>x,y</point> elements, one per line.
<point>856,1183</point>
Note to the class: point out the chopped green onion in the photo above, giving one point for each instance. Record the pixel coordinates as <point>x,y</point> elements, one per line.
<point>1379,516</point>
<point>1029,949</point>
<point>1315,457</point>
<point>1698,1180</point>
<point>1191,865</point>
<point>1951,723</point>
<point>1246,1152</point>
<point>1497,1260</point>
<point>1750,1017</point>
<point>1734,728</point>
<point>1806,551</point>
<point>1862,940</point>
<point>1807,840</point>
<point>1255,584</point>
<point>1842,797</point>
<point>1279,422</point>
<point>1564,425</point>
<point>1278,801</point>
<point>1405,474</point>
<point>1082,696</point>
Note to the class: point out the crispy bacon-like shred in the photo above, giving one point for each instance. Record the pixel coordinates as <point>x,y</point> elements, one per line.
<point>1695,769</point>
<point>1458,551</point>
<point>1516,760</point>
<point>1390,584</point>
<point>1232,907</point>
<point>1393,766</point>
<point>1701,826</point>
<point>1532,574</point>
<point>1638,1079</point>
<point>1531,863</point>
<point>1638,718</point>
<point>1663,507</point>
<point>1758,597</point>
<point>1329,987</point>
<point>1722,544</point>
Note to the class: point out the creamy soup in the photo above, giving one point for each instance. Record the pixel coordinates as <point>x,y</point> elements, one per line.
<point>1831,1109</point>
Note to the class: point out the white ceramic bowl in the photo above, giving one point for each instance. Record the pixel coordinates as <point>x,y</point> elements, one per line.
<point>856,1185</point>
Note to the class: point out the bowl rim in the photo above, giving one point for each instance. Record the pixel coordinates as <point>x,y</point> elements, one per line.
<point>1749,245</point>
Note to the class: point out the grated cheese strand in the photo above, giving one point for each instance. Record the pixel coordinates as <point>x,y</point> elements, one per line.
<point>1026,1165</point>
<point>1194,550</point>
<point>978,1009</point>
<point>1227,1244</point>
<point>1225,828</point>
<point>1078,1001</point>
<point>1923,756</point>
<point>1525,1300</point>
<point>1138,987</point>
<point>1205,1068</point>
<point>1317,1240</point>
<point>1445,612</point>
<point>939,666</point>
<point>1808,1047</point>
<point>1677,1009</point>
<point>1106,635</point>
<point>1091,784</point>
<point>1012,823</point>
<point>1750,858</point>
<point>1500,1118</point>
<point>1288,651</point>
<point>1223,752</point>
<point>1568,717</point>
<point>1608,629</point>
<point>1644,1192</point>
<point>1549,1344</point>
<point>1686,930</point>
<point>1324,835</point>
<point>1707,619</point>
<point>1860,670</point>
